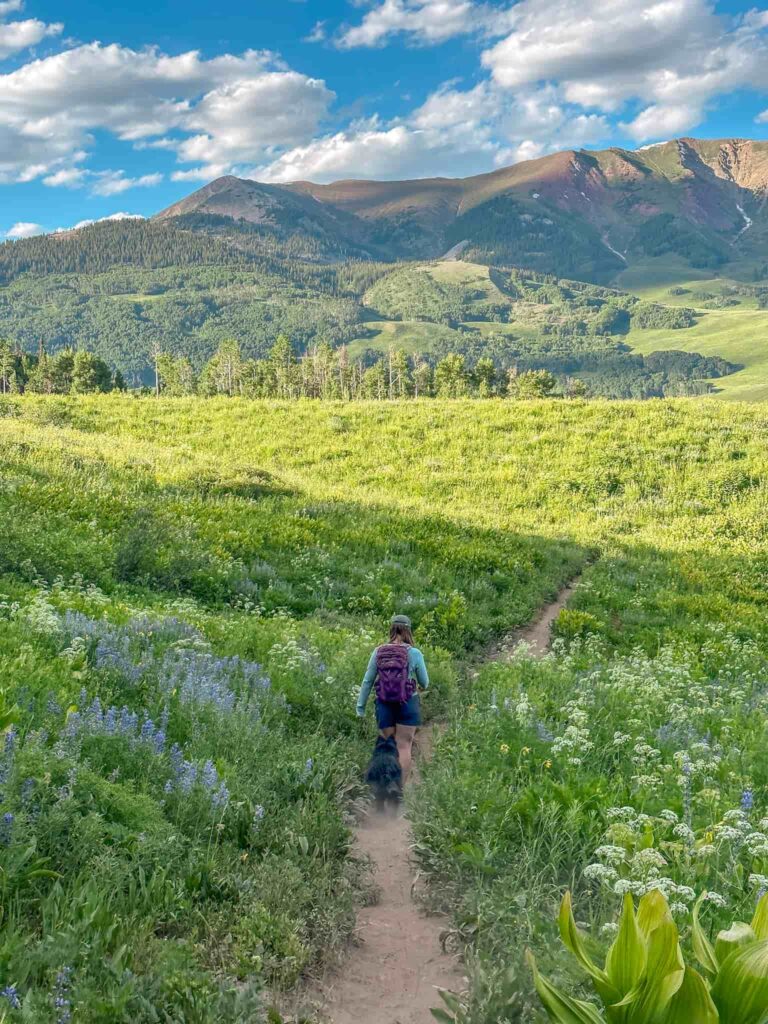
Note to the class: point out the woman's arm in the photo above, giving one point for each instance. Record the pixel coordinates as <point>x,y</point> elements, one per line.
<point>367,686</point>
<point>420,669</point>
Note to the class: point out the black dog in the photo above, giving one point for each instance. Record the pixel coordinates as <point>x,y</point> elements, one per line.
<point>384,775</point>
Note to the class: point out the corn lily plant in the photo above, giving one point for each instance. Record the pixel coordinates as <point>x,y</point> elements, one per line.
<point>645,979</point>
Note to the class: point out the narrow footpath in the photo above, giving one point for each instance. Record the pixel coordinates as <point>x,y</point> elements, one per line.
<point>397,965</point>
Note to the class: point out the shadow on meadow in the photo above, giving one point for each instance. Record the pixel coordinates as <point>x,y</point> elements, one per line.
<point>120,519</point>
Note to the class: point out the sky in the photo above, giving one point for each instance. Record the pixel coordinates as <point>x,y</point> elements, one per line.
<point>113,110</point>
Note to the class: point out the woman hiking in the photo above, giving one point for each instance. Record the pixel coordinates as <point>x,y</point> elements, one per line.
<point>399,671</point>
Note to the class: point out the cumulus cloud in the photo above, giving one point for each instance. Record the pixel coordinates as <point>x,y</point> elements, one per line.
<point>675,55</point>
<point>455,132</point>
<point>100,220</point>
<point>16,36</point>
<point>215,111</point>
<point>24,229</point>
<point>112,183</point>
<point>424,22</point>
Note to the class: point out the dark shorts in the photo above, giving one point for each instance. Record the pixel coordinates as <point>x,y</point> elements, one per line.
<point>390,713</point>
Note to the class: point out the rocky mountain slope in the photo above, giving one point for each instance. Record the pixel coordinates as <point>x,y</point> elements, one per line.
<point>576,210</point>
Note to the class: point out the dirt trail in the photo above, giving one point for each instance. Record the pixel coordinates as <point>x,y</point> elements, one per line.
<point>538,633</point>
<point>393,973</point>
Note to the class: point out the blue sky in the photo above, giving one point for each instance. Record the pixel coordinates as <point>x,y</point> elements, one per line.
<point>107,110</point>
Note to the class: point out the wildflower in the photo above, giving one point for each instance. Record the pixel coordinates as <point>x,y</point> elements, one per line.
<point>504,748</point>
<point>61,999</point>
<point>210,776</point>
<point>547,764</point>
<point>6,828</point>
<point>11,995</point>
<point>220,798</point>
<point>525,750</point>
<point>716,898</point>
<point>747,800</point>
<point>258,817</point>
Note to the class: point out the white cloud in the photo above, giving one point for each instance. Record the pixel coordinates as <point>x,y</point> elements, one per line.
<point>762,118</point>
<point>425,22</point>
<point>68,177</point>
<point>235,121</point>
<point>10,7</point>
<point>454,133</point>
<point>318,33</point>
<point>112,183</point>
<point>16,36</point>
<point>658,120</point>
<point>221,110</point>
<point>100,220</point>
<point>24,229</point>
<point>674,55</point>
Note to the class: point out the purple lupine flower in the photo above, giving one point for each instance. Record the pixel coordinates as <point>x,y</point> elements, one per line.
<point>11,994</point>
<point>258,817</point>
<point>209,776</point>
<point>61,999</point>
<point>187,776</point>
<point>543,733</point>
<point>110,721</point>
<point>177,758</point>
<point>747,800</point>
<point>10,742</point>
<point>220,798</point>
<point>6,828</point>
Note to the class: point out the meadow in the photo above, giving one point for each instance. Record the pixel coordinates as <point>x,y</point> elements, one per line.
<point>189,590</point>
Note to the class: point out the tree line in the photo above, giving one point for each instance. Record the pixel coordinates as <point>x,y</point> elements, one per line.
<point>68,372</point>
<point>323,373</point>
<point>329,374</point>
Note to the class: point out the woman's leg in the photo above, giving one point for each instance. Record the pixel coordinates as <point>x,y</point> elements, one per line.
<point>404,739</point>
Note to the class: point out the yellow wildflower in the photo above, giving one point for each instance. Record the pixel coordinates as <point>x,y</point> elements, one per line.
<point>504,748</point>
<point>547,764</point>
<point>525,750</point>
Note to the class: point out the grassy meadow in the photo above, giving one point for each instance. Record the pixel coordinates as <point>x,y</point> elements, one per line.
<point>189,591</point>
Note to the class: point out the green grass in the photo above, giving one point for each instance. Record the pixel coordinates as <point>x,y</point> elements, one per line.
<point>287,534</point>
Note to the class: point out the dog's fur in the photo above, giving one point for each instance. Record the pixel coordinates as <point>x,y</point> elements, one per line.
<point>384,775</point>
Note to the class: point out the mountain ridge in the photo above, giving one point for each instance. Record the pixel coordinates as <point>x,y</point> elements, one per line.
<point>714,189</point>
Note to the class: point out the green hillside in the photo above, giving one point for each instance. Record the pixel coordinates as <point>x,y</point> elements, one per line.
<point>738,332</point>
<point>189,593</point>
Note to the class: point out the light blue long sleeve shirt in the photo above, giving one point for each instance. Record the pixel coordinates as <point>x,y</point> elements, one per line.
<point>417,670</point>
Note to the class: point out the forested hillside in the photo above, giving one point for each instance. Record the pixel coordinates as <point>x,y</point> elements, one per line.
<point>530,283</point>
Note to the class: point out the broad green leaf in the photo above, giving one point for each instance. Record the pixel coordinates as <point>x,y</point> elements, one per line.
<point>664,973</point>
<point>739,934</point>
<point>652,910</point>
<point>702,947</point>
<point>561,1008</point>
<point>443,1017</point>
<point>570,935</point>
<point>760,920</point>
<point>740,991</point>
<point>628,955</point>
<point>450,1000</point>
<point>692,1003</point>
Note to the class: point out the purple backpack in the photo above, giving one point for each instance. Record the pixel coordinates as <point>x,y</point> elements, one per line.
<point>392,681</point>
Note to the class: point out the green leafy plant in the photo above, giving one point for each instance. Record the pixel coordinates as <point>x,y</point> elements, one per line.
<point>645,979</point>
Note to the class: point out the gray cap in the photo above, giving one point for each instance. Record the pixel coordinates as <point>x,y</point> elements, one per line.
<point>401,620</point>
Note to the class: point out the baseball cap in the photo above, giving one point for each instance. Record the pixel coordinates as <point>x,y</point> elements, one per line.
<point>401,620</point>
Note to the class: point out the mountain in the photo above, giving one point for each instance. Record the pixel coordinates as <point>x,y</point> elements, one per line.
<point>567,262</point>
<point>575,212</point>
